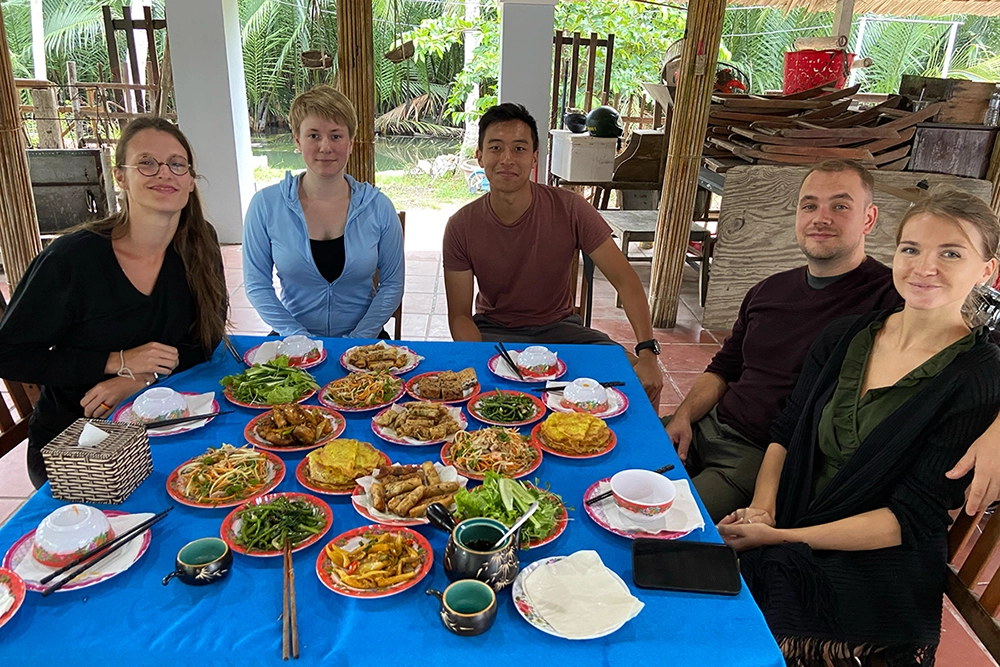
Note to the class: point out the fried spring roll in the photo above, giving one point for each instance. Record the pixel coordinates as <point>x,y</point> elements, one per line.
<point>409,500</point>
<point>430,474</point>
<point>420,510</point>
<point>394,489</point>
<point>377,493</point>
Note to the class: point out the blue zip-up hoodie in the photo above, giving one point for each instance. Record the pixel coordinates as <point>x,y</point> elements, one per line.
<point>275,236</point>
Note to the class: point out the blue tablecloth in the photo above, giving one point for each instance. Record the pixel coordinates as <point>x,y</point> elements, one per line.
<point>134,620</point>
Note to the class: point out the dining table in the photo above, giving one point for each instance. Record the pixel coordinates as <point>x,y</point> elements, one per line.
<point>134,619</point>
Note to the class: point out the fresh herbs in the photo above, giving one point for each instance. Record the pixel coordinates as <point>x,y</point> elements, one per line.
<point>271,383</point>
<point>267,526</point>
<point>506,500</point>
<point>505,408</point>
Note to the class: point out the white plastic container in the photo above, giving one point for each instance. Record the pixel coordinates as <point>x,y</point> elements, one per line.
<point>581,157</point>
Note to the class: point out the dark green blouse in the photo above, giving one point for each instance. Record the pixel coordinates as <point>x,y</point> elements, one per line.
<point>849,417</point>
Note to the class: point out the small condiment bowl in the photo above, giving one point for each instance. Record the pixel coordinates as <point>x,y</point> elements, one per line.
<point>536,359</point>
<point>468,607</point>
<point>202,562</point>
<point>642,495</point>
<point>159,403</point>
<point>586,395</point>
<point>69,532</point>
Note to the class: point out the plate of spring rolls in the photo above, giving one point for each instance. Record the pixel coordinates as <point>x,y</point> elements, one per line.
<point>398,495</point>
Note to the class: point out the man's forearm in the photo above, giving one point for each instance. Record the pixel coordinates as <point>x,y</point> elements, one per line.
<point>637,309</point>
<point>464,329</point>
<point>706,392</point>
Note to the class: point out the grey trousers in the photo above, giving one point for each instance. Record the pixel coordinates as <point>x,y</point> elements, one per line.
<point>570,331</point>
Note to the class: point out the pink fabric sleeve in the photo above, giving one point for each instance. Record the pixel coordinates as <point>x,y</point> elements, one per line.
<point>591,229</point>
<point>456,256</point>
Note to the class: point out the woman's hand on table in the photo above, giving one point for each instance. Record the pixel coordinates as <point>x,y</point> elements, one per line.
<point>102,398</point>
<point>748,515</point>
<point>149,358</point>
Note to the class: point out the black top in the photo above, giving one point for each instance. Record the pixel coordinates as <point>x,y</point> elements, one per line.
<point>329,257</point>
<point>73,307</point>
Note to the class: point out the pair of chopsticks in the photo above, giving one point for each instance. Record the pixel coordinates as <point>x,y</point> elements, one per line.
<point>289,622</point>
<point>506,357</point>
<point>79,565</point>
<point>184,420</point>
<point>608,494</point>
<point>233,351</point>
<point>613,383</point>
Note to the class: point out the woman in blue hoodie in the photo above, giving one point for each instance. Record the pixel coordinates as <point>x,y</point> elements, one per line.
<point>325,233</point>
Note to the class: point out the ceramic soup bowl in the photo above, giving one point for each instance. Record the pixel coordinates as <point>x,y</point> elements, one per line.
<point>159,403</point>
<point>585,395</point>
<point>536,360</point>
<point>69,532</point>
<point>642,494</point>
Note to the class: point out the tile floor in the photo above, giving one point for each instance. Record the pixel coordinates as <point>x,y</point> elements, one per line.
<point>687,348</point>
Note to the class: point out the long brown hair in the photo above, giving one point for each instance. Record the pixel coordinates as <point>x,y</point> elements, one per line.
<point>195,240</point>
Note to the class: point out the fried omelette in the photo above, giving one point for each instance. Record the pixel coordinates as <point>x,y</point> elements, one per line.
<point>343,460</point>
<point>575,433</point>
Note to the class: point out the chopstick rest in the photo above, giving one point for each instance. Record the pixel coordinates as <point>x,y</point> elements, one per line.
<point>607,494</point>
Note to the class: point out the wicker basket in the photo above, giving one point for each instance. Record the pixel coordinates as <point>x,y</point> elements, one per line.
<point>105,474</point>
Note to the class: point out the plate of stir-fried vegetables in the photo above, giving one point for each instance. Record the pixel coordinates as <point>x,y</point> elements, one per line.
<point>357,392</point>
<point>260,527</point>
<point>374,561</point>
<point>495,449</point>
<point>225,477</point>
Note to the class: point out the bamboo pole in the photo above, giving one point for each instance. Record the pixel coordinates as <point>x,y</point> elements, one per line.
<point>687,135</point>
<point>993,175</point>
<point>356,71</point>
<point>19,236</point>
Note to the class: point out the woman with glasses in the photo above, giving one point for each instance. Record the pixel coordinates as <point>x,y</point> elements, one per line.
<point>103,311</point>
<point>325,233</point>
<point>844,542</point>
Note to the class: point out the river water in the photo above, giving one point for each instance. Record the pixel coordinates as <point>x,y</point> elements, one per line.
<point>391,153</point>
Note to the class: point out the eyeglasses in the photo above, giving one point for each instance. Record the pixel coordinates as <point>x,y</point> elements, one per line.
<point>151,167</point>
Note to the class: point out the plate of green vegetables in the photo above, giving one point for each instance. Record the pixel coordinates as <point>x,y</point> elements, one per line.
<point>260,527</point>
<point>506,499</point>
<point>503,407</point>
<point>272,383</point>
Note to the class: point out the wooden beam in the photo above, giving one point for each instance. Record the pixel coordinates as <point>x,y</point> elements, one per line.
<point>47,118</point>
<point>687,136</point>
<point>133,57</point>
<point>109,36</point>
<point>993,176</point>
<point>842,16</point>
<point>356,71</point>
<point>19,237</point>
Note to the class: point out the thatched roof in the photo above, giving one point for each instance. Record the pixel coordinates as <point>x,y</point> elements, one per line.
<point>891,7</point>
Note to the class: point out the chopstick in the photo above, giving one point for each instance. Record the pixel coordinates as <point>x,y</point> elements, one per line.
<point>289,623</point>
<point>184,420</point>
<point>506,356</point>
<point>608,494</point>
<point>613,383</point>
<point>102,552</point>
<point>233,351</point>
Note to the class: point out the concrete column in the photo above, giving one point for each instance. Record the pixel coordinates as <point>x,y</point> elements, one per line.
<point>526,31</point>
<point>210,90</point>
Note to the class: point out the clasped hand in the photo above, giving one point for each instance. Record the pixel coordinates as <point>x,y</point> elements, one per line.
<point>149,358</point>
<point>748,528</point>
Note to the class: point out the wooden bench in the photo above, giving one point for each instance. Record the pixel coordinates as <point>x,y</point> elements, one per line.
<point>967,568</point>
<point>639,226</point>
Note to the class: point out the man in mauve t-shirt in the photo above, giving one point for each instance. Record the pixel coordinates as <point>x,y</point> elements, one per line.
<point>518,242</point>
<point>721,429</point>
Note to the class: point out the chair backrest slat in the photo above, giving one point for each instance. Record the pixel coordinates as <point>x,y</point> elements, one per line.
<point>964,577</point>
<point>980,554</point>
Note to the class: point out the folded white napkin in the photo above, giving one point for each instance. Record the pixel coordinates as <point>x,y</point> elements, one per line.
<point>32,571</point>
<point>6,600</point>
<point>446,473</point>
<point>682,517</point>
<point>200,404</point>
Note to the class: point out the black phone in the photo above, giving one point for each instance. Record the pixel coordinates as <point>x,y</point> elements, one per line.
<point>696,567</point>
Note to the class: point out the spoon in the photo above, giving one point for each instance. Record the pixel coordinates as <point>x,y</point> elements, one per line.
<point>517,524</point>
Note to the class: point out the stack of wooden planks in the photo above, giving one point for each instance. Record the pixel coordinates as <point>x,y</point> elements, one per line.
<point>809,127</point>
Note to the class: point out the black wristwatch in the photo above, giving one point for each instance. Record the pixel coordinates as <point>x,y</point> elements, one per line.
<point>652,344</point>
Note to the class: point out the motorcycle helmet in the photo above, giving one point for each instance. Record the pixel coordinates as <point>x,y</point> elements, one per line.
<point>603,122</point>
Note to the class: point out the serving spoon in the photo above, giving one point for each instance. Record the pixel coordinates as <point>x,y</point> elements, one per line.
<point>517,524</point>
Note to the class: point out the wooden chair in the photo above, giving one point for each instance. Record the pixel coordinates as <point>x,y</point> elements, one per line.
<point>397,315</point>
<point>14,427</point>
<point>966,569</point>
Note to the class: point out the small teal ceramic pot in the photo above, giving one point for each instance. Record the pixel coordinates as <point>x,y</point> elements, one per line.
<point>202,562</point>
<point>468,607</point>
<point>469,553</point>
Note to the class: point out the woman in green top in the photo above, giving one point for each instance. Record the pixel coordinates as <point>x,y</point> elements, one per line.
<point>844,542</point>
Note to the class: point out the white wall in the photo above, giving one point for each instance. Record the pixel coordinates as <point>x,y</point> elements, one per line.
<point>210,90</point>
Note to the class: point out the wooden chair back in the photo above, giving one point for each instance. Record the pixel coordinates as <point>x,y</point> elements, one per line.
<point>14,425</point>
<point>972,551</point>
<point>397,315</point>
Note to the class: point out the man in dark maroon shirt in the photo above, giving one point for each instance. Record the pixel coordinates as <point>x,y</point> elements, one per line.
<point>721,428</point>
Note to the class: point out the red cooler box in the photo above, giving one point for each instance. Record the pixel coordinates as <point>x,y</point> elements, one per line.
<point>808,69</point>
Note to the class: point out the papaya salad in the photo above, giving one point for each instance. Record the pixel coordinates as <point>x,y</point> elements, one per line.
<point>223,474</point>
<point>363,390</point>
<point>495,449</point>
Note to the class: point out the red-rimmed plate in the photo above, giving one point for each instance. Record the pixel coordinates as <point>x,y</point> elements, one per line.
<point>231,524</point>
<point>354,538</point>
<point>536,434</point>
<point>19,559</point>
<point>298,362</point>
<point>227,392</point>
<point>447,459</point>
<point>412,361</point>
<point>473,408</point>
<point>124,415</point>
<point>302,474</point>
<point>330,403</point>
<point>617,403</point>
<point>276,473</point>
<point>498,366</point>
<point>596,512</point>
<point>562,518</point>
<point>390,435</point>
<point>337,421</point>
<point>411,389</point>
<point>14,585</point>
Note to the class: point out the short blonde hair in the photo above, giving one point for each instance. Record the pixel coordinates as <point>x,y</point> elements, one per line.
<point>326,102</point>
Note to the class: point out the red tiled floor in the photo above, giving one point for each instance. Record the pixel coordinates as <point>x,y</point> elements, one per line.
<point>8,506</point>
<point>959,647</point>
<point>682,380</point>
<point>689,358</point>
